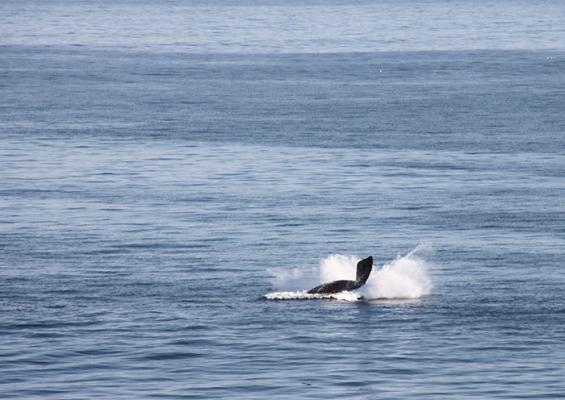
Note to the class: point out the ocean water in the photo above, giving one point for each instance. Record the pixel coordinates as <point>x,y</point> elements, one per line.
<point>174,175</point>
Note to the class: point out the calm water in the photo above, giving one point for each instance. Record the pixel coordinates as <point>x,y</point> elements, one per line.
<point>162,166</point>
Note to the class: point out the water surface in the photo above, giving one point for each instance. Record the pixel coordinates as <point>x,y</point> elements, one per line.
<point>161,166</point>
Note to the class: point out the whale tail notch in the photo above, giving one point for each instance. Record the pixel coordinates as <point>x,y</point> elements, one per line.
<point>364,268</point>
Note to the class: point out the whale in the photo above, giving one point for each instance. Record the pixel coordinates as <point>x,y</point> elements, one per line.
<point>364,268</point>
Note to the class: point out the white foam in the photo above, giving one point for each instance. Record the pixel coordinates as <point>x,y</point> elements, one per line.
<point>406,277</point>
<point>303,295</point>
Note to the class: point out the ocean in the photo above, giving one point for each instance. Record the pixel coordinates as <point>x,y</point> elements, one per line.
<point>175,175</point>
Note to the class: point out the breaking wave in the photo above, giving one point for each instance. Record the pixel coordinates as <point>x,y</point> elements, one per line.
<point>405,277</point>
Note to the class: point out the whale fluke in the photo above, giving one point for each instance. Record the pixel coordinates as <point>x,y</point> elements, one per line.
<point>364,268</point>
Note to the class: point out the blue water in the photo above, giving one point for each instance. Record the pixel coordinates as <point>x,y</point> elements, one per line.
<point>162,166</point>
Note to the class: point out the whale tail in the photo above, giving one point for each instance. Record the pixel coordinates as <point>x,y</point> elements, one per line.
<point>364,268</point>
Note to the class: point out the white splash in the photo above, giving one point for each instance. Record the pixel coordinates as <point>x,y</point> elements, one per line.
<point>406,277</point>
<point>337,266</point>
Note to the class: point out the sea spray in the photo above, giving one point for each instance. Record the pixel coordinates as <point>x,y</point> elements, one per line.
<point>406,277</point>
<point>294,279</point>
<point>337,267</point>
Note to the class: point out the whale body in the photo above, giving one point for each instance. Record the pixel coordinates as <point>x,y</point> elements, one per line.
<point>364,268</point>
